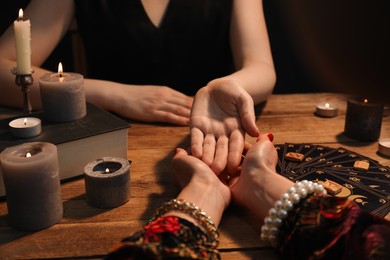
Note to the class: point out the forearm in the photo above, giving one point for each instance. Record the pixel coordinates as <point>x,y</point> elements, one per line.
<point>97,92</point>
<point>257,78</point>
<point>105,94</point>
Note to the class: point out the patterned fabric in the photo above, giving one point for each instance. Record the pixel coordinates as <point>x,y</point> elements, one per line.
<point>317,228</point>
<point>334,228</point>
<point>166,237</point>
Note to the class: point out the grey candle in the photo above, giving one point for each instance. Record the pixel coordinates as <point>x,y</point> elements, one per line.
<point>62,96</point>
<point>32,185</point>
<point>107,182</point>
<point>363,119</point>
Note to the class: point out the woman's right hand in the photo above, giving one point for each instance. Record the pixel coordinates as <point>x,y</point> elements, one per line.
<point>146,103</point>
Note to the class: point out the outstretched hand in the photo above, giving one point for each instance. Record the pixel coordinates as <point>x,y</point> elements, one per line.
<point>258,185</point>
<point>221,115</point>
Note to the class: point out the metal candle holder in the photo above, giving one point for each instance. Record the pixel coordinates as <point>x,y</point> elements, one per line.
<point>24,81</point>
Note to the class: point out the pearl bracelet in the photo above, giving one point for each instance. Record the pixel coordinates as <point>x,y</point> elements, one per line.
<point>270,229</point>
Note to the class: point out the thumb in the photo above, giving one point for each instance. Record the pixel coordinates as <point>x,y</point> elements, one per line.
<point>247,116</point>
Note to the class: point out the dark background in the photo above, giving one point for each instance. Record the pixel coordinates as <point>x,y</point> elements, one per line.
<point>324,46</point>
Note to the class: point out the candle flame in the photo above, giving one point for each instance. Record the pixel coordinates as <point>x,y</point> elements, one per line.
<point>365,101</point>
<point>107,170</point>
<point>60,71</point>
<point>28,155</point>
<point>327,105</point>
<point>20,17</point>
<point>25,121</point>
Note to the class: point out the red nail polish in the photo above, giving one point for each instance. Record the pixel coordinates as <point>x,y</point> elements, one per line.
<point>270,137</point>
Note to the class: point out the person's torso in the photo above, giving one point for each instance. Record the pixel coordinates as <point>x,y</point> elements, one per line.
<point>189,48</point>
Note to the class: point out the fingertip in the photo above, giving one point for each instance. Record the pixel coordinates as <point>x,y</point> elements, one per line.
<point>178,150</point>
<point>264,137</point>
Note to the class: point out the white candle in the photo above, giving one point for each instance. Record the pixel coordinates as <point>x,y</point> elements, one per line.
<point>384,146</point>
<point>62,96</point>
<point>25,127</point>
<point>22,43</point>
<point>326,110</point>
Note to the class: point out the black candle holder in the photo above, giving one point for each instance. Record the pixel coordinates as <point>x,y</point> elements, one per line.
<point>24,81</point>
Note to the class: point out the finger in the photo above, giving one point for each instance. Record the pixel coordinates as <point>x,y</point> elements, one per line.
<point>163,116</point>
<point>265,137</point>
<point>175,108</point>
<point>221,153</point>
<point>208,149</point>
<point>246,147</point>
<point>196,142</point>
<point>247,116</point>
<point>182,101</point>
<point>179,152</point>
<point>236,147</point>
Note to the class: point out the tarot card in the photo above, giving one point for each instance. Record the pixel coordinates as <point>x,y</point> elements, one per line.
<point>366,197</point>
<point>317,154</point>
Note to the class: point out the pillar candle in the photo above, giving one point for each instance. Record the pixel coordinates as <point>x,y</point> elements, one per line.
<point>22,43</point>
<point>32,185</point>
<point>363,119</point>
<point>107,182</point>
<point>62,96</point>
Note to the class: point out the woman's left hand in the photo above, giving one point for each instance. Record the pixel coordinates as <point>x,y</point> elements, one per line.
<point>221,115</point>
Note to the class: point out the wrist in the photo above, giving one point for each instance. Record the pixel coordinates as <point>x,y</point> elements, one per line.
<point>209,197</point>
<point>266,187</point>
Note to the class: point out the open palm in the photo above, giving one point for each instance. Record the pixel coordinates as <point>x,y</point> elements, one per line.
<point>220,117</point>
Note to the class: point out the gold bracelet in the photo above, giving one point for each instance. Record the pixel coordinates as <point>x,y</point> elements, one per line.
<point>193,211</point>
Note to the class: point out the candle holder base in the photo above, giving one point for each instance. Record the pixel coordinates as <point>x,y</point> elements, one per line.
<point>24,81</point>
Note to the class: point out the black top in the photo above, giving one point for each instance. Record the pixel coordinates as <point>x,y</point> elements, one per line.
<point>189,48</point>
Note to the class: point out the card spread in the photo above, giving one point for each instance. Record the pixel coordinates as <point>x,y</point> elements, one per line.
<point>343,173</point>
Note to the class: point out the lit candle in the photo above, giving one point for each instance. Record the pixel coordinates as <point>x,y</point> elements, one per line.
<point>326,110</point>
<point>107,182</point>
<point>32,185</point>
<point>22,43</point>
<point>25,127</point>
<point>363,119</point>
<point>62,96</point>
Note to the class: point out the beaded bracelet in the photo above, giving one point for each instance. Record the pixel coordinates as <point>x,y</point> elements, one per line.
<point>192,210</point>
<point>270,229</point>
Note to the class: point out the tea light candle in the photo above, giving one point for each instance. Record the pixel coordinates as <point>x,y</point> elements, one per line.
<point>32,185</point>
<point>363,119</point>
<point>25,127</point>
<point>384,147</point>
<point>22,43</point>
<point>326,110</point>
<point>62,96</point>
<point>107,182</point>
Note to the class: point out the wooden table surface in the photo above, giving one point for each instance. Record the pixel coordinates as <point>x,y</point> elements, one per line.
<point>87,232</point>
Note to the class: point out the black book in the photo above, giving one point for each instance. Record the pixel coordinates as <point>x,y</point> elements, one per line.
<point>99,134</point>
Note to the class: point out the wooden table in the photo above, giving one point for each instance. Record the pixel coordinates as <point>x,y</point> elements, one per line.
<point>87,232</point>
